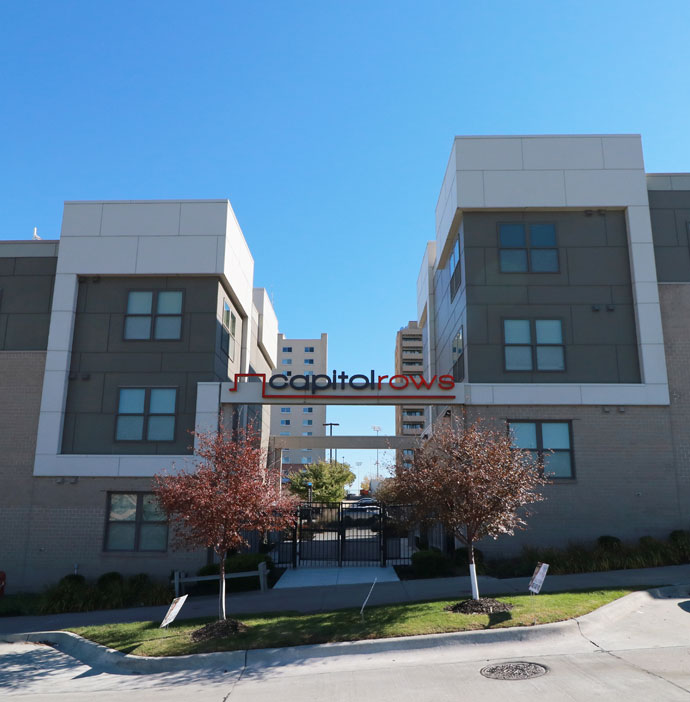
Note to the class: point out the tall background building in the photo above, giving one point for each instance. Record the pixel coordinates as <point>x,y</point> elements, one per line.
<point>409,360</point>
<point>300,357</point>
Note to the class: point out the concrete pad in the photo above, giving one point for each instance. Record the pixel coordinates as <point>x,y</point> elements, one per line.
<point>320,577</point>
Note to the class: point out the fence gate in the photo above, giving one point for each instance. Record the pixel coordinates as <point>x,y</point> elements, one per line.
<point>337,534</point>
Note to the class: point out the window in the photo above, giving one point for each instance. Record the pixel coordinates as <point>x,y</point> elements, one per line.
<point>287,374</point>
<point>458,357</point>
<point>413,363</point>
<point>407,464</point>
<point>415,339</point>
<point>408,452</point>
<point>284,422</point>
<point>527,248</point>
<point>146,414</point>
<point>135,523</point>
<point>228,330</point>
<point>287,361</point>
<point>412,426</point>
<point>306,433</point>
<point>285,458</point>
<point>307,422</point>
<point>307,410</point>
<point>287,349</point>
<point>308,349</point>
<point>533,344</point>
<point>308,373</point>
<point>284,433</point>
<point>309,361</point>
<point>153,314</point>
<point>455,268</point>
<point>549,442</point>
<point>286,410</point>
<point>306,459</point>
<point>413,413</point>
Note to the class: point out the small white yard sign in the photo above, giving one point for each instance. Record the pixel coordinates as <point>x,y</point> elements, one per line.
<point>173,611</point>
<point>538,578</point>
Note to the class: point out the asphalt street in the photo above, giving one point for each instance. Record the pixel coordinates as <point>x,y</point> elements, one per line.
<point>635,649</point>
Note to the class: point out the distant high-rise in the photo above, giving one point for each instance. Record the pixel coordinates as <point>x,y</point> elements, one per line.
<point>409,419</point>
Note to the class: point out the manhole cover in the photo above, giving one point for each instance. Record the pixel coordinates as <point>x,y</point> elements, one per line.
<point>520,670</point>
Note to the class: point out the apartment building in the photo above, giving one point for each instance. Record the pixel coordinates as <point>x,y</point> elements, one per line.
<point>300,357</point>
<point>105,336</point>
<point>409,360</point>
<point>557,292</point>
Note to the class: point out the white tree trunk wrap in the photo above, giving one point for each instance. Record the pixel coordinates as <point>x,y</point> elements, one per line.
<point>473,581</point>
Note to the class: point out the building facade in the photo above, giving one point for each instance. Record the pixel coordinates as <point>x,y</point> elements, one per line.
<point>306,357</point>
<point>105,338</point>
<point>557,290</point>
<point>409,360</point>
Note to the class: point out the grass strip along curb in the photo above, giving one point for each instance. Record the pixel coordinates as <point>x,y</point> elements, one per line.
<point>143,647</point>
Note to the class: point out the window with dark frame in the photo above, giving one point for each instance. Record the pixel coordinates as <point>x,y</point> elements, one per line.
<point>458,357</point>
<point>146,414</point>
<point>549,442</point>
<point>153,314</point>
<point>533,344</point>
<point>308,349</point>
<point>527,248</point>
<point>228,331</point>
<point>455,268</point>
<point>134,522</point>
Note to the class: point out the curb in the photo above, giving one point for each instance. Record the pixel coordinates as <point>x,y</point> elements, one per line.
<point>110,660</point>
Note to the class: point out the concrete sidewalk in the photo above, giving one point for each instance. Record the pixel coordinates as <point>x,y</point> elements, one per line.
<point>316,599</point>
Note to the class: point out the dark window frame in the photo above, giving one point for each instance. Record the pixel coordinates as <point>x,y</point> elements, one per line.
<point>138,523</point>
<point>527,248</point>
<point>153,316</point>
<point>540,444</point>
<point>458,367</point>
<point>228,331</point>
<point>146,415</point>
<point>533,343</point>
<point>455,267</point>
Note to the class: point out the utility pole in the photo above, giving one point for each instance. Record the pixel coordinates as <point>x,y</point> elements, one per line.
<point>330,425</point>
<point>377,429</point>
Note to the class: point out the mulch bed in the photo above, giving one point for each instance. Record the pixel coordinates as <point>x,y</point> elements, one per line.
<point>218,630</point>
<point>484,605</point>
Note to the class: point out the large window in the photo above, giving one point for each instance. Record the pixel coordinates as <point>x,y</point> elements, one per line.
<point>153,314</point>
<point>228,330</point>
<point>533,344</point>
<point>549,442</point>
<point>458,354</point>
<point>135,523</point>
<point>146,414</point>
<point>527,248</point>
<point>454,268</point>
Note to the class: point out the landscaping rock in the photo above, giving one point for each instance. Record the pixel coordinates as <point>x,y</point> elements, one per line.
<point>484,605</point>
<point>218,630</point>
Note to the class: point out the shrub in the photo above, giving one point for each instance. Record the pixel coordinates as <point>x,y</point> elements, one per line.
<point>609,543</point>
<point>680,541</point>
<point>109,579</point>
<point>430,563</point>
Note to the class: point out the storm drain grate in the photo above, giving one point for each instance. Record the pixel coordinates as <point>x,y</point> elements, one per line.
<point>519,670</point>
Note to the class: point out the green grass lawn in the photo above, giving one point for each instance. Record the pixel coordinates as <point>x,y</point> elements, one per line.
<point>293,629</point>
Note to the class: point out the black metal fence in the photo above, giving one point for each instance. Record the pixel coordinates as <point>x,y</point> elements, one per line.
<point>342,534</point>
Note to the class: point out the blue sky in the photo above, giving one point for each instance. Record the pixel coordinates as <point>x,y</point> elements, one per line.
<point>327,124</point>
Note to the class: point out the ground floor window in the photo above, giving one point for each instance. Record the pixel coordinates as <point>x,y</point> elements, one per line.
<point>135,523</point>
<point>549,442</point>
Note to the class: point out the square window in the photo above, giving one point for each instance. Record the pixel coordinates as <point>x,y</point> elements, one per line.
<point>162,401</point>
<point>513,260</point>
<point>518,358</point>
<point>512,235</point>
<point>285,422</point>
<point>146,413</point>
<point>517,331</point>
<point>543,260</point>
<point>161,428</point>
<point>140,302</point>
<point>307,410</point>
<point>307,422</point>
<point>308,349</point>
<point>169,302</point>
<point>550,358</point>
<point>549,331</point>
<point>286,410</point>
<point>132,401</point>
<point>129,428</point>
<point>287,361</point>
<point>309,361</point>
<point>542,235</point>
<point>168,327</point>
<point>137,328</point>
<point>548,443</point>
<point>287,349</point>
<point>135,523</point>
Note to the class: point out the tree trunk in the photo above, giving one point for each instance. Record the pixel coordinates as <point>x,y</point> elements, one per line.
<point>473,569</point>
<point>221,589</point>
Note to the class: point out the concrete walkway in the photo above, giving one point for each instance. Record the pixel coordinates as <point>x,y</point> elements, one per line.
<point>329,597</point>
<point>319,577</point>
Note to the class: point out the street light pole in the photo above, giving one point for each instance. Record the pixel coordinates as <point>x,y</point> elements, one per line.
<point>330,450</point>
<point>377,429</point>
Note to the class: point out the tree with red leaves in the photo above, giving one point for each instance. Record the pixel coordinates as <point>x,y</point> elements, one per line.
<point>230,491</point>
<point>473,481</point>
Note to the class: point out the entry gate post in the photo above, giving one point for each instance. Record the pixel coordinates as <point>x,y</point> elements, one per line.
<point>295,532</point>
<point>341,535</point>
<point>382,535</point>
